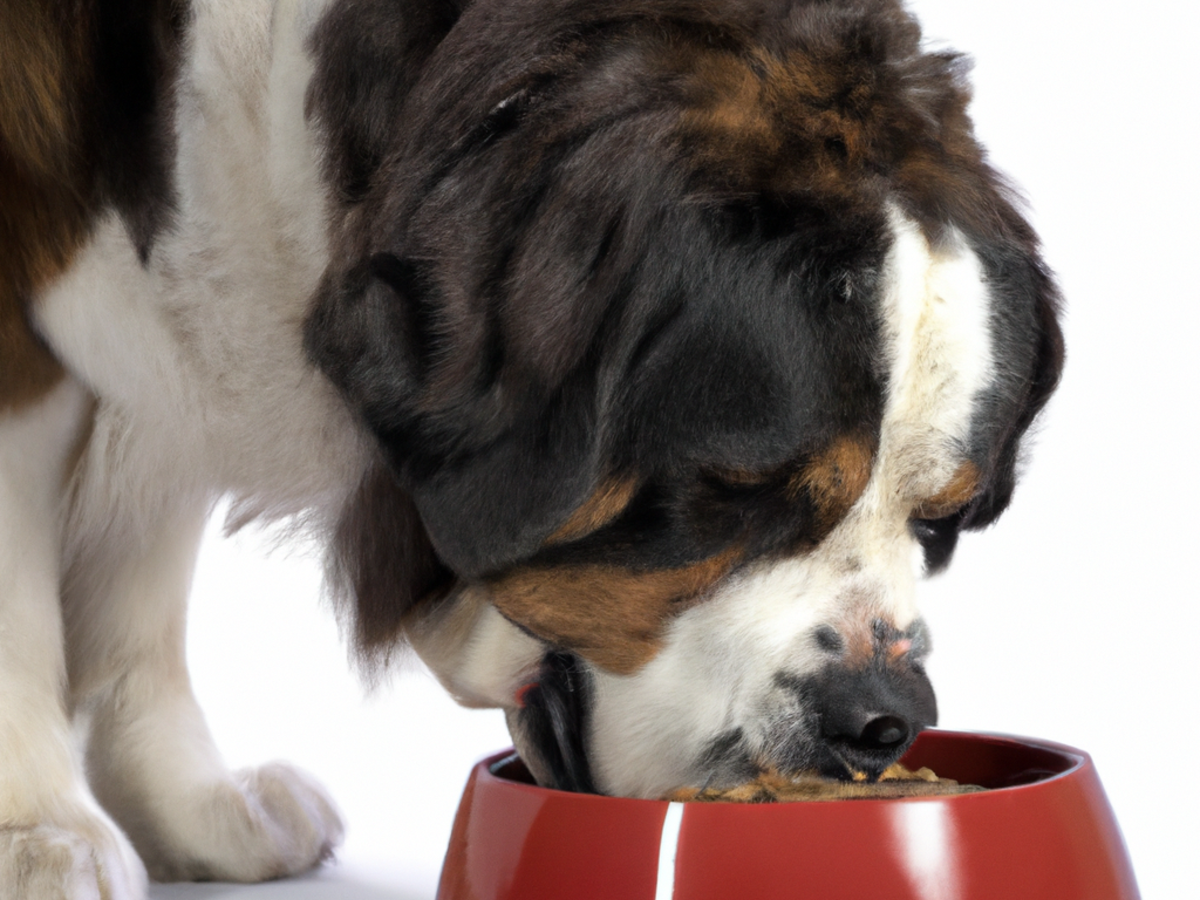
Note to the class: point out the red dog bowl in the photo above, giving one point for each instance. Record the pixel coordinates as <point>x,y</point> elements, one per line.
<point>1044,831</point>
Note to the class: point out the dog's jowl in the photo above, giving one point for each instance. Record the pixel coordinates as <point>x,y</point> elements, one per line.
<point>632,359</point>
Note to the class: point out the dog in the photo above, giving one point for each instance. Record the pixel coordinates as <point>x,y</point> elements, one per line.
<point>632,358</point>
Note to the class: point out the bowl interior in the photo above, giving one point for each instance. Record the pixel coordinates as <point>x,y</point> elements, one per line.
<point>990,761</point>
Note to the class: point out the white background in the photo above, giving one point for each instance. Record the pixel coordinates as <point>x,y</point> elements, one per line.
<point>1074,619</point>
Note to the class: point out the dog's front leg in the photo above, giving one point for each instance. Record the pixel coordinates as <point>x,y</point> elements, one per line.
<point>151,760</point>
<point>54,840</point>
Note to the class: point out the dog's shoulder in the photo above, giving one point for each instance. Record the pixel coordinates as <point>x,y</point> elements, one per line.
<point>84,124</point>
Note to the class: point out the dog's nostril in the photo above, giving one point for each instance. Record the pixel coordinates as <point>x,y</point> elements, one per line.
<point>884,732</point>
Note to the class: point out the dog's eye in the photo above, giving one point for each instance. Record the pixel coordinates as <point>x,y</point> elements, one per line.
<point>938,538</point>
<point>506,114</point>
<point>504,117</point>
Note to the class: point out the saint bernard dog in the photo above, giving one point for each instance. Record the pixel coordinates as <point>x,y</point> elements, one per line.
<point>631,358</point>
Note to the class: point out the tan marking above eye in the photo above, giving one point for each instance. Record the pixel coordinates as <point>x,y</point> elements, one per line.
<point>835,478</point>
<point>960,490</point>
<point>742,477</point>
<point>606,503</point>
<point>612,617</point>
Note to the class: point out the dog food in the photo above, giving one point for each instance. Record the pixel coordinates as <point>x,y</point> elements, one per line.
<point>773,787</point>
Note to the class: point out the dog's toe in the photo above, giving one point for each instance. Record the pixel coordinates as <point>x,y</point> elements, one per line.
<point>303,822</point>
<point>268,822</point>
<point>89,861</point>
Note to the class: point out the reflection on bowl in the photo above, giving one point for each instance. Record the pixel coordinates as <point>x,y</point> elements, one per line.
<point>1044,831</point>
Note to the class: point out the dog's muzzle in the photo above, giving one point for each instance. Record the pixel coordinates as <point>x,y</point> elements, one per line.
<point>863,718</point>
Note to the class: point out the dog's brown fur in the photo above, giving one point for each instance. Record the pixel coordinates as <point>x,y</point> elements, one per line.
<point>84,97</point>
<point>44,214</point>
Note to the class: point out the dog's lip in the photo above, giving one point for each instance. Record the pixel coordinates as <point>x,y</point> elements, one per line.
<point>843,770</point>
<point>830,761</point>
<point>831,765</point>
<point>836,764</point>
<point>522,692</point>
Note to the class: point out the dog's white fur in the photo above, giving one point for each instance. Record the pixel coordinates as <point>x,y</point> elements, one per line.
<point>49,825</point>
<point>188,382</point>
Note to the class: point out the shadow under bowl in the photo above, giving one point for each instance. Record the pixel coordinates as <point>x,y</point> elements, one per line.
<point>1043,831</point>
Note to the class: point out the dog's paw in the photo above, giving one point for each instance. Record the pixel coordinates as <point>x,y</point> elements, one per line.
<point>266,823</point>
<point>89,861</point>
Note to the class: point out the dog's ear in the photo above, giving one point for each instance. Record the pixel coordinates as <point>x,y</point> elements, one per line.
<point>490,451</point>
<point>1049,356</point>
<point>369,56</point>
<point>381,565</point>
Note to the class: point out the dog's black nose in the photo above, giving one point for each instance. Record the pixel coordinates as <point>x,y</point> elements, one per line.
<point>869,717</point>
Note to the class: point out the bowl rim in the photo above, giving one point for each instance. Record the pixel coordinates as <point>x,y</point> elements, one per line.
<point>1074,759</point>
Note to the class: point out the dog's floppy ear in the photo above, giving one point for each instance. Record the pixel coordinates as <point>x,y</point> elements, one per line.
<point>1032,393</point>
<point>381,564</point>
<point>491,453</point>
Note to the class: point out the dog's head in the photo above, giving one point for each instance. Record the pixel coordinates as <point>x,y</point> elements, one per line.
<point>690,333</point>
